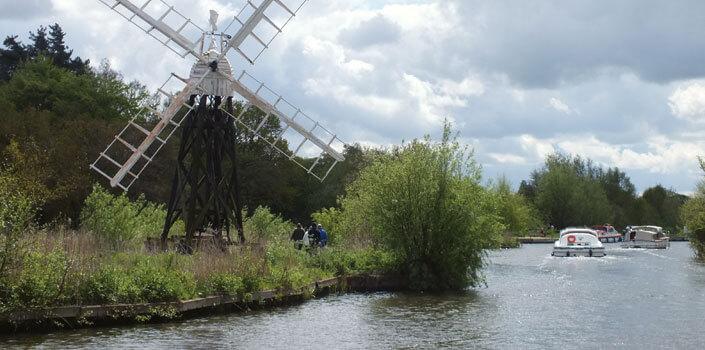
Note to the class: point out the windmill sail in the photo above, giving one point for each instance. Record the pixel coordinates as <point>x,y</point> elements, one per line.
<point>135,146</point>
<point>309,138</point>
<point>161,21</point>
<point>257,24</point>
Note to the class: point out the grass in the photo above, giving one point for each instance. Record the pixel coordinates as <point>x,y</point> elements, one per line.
<point>64,267</point>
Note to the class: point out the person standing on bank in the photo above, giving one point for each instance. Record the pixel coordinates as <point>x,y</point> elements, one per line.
<point>322,235</point>
<point>298,236</point>
<point>313,235</point>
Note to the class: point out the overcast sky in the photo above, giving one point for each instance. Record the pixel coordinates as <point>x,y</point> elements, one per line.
<point>621,82</point>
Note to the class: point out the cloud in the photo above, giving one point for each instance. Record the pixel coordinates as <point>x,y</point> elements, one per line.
<point>376,31</point>
<point>546,43</point>
<point>507,158</point>
<point>688,101</point>
<point>433,99</point>
<point>25,9</point>
<point>560,106</point>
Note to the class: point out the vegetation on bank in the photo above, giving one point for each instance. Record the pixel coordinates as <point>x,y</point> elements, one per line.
<point>693,215</point>
<point>93,265</point>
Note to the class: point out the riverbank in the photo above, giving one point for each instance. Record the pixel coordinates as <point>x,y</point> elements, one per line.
<point>83,316</point>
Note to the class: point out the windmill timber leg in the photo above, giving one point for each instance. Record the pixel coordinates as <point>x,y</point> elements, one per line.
<point>205,192</point>
<point>177,184</point>
<point>236,197</point>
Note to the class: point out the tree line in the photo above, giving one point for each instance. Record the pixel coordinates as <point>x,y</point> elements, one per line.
<point>574,191</point>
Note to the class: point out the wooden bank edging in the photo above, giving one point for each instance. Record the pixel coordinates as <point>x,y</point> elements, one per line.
<point>80,316</point>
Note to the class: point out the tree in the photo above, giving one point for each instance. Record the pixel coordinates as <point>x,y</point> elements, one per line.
<point>693,217</point>
<point>662,207</point>
<point>12,56</point>
<point>517,214</point>
<point>568,192</point>
<point>423,201</point>
<point>622,195</point>
<point>51,45</point>
<point>53,123</point>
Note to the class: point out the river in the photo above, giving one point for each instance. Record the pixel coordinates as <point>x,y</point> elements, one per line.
<point>630,299</point>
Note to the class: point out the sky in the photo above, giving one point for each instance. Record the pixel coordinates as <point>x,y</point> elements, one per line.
<point>619,82</point>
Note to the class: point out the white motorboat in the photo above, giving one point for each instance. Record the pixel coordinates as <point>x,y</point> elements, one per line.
<point>578,242</point>
<point>649,237</point>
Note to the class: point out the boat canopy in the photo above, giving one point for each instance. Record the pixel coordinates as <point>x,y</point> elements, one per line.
<point>574,230</point>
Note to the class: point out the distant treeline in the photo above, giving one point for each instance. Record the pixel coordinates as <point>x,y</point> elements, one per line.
<point>573,191</point>
<point>57,113</point>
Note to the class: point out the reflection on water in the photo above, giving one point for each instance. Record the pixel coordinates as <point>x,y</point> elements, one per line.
<point>629,299</point>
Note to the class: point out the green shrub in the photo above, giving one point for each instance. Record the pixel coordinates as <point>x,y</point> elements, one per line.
<point>263,225</point>
<point>330,219</point>
<point>344,262</point>
<point>110,284</point>
<point>425,204</point>
<point>693,216</point>
<point>120,221</point>
<point>223,284</point>
<point>158,278</point>
<point>17,209</point>
<point>42,280</point>
<point>517,214</point>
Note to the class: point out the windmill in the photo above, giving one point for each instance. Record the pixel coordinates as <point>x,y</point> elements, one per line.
<point>205,191</point>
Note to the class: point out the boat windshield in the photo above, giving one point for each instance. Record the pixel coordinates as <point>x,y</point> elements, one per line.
<point>574,231</point>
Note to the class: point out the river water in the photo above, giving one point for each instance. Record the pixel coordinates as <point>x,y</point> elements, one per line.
<point>638,299</point>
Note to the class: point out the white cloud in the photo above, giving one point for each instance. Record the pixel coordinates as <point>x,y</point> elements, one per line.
<point>538,149</point>
<point>434,99</point>
<point>688,101</point>
<point>507,158</point>
<point>348,96</point>
<point>661,155</point>
<point>560,106</point>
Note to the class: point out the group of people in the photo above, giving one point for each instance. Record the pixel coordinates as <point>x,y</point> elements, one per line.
<point>314,236</point>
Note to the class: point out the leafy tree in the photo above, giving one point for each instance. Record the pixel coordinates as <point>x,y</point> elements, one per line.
<point>622,195</point>
<point>424,202</point>
<point>662,207</point>
<point>53,123</point>
<point>693,217</point>
<point>568,192</point>
<point>518,215</point>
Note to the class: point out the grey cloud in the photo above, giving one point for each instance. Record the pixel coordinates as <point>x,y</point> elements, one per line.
<point>25,9</point>
<point>375,31</point>
<point>544,43</point>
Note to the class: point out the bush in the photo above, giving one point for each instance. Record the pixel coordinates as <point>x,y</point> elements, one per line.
<point>17,209</point>
<point>263,225</point>
<point>343,262</point>
<point>42,281</point>
<point>518,215</point>
<point>223,284</point>
<point>120,221</point>
<point>158,278</point>
<point>425,204</point>
<point>110,284</point>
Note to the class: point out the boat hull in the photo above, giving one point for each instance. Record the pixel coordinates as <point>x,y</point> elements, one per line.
<point>661,244</point>
<point>595,252</point>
